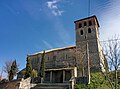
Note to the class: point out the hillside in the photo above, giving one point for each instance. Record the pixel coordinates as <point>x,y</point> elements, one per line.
<point>98,81</point>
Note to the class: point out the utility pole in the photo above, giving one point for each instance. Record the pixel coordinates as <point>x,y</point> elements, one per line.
<point>88,63</point>
<point>88,8</point>
<point>87,50</point>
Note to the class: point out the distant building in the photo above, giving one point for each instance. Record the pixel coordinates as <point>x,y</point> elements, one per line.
<point>62,64</point>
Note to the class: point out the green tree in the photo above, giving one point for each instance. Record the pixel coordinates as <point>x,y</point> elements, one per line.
<point>42,67</point>
<point>22,72</point>
<point>28,72</point>
<point>14,67</point>
<point>13,70</point>
<point>10,76</point>
<point>34,73</point>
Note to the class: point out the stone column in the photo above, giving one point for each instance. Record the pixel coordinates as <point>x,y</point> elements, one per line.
<point>50,76</point>
<point>63,75</point>
<point>72,73</point>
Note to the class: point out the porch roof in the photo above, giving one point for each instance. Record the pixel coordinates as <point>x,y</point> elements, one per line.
<point>68,68</point>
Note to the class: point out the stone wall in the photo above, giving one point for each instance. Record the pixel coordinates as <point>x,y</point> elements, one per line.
<point>64,57</point>
<point>36,61</point>
<point>61,58</point>
<point>25,84</point>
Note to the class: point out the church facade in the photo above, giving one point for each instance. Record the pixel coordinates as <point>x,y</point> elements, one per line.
<point>62,64</point>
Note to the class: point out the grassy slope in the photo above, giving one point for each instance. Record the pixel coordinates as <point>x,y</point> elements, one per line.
<point>98,81</point>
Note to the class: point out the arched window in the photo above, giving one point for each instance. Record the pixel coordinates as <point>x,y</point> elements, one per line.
<point>89,30</point>
<point>80,25</point>
<point>90,23</point>
<point>85,23</point>
<point>81,32</point>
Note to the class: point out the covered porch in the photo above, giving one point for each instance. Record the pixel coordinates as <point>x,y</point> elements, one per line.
<point>60,75</point>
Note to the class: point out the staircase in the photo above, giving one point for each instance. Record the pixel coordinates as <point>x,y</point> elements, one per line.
<point>52,86</point>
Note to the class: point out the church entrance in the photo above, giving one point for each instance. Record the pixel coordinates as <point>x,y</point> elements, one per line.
<point>57,76</point>
<point>60,75</point>
<point>68,75</point>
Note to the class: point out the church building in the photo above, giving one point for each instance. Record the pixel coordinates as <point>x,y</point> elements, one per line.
<point>63,64</point>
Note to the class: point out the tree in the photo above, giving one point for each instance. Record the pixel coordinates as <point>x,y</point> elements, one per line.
<point>1,74</point>
<point>81,55</point>
<point>11,75</point>
<point>42,67</point>
<point>34,73</point>
<point>23,72</point>
<point>112,54</point>
<point>13,70</point>
<point>28,72</point>
<point>7,67</point>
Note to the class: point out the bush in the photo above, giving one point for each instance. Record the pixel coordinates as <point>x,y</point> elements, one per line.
<point>34,73</point>
<point>98,81</point>
<point>3,81</point>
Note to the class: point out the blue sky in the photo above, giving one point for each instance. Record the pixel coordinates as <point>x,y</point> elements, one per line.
<point>30,26</point>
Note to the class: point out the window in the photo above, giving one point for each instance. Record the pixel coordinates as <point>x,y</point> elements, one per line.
<point>90,23</point>
<point>85,23</point>
<point>89,30</point>
<point>80,25</point>
<point>54,57</point>
<point>66,56</point>
<point>81,32</point>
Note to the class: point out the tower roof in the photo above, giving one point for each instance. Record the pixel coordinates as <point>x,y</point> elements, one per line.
<point>88,18</point>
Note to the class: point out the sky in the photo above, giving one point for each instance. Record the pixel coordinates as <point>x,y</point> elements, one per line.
<point>30,26</point>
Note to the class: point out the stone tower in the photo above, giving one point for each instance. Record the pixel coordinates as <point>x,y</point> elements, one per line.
<point>89,55</point>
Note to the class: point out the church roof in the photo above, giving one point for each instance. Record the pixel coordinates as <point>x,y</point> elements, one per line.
<point>94,16</point>
<point>51,50</point>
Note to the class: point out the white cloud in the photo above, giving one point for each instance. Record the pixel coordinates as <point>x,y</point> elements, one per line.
<point>48,45</point>
<point>53,6</point>
<point>110,21</point>
<point>12,10</point>
<point>64,35</point>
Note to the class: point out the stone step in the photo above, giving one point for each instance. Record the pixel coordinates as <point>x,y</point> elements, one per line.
<point>49,88</point>
<point>52,86</point>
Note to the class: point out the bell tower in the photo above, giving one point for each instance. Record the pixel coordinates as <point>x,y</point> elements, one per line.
<point>89,54</point>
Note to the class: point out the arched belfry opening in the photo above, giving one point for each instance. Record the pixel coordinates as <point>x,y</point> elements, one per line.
<point>80,25</point>
<point>85,23</point>
<point>90,23</point>
<point>81,32</point>
<point>89,30</point>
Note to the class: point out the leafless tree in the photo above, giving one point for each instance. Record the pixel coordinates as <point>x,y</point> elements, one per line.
<point>7,66</point>
<point>112,54</point>
<point>1,74</point>
<point>81,54</point>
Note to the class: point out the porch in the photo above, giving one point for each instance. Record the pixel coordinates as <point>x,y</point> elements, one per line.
<point>61,75</point>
